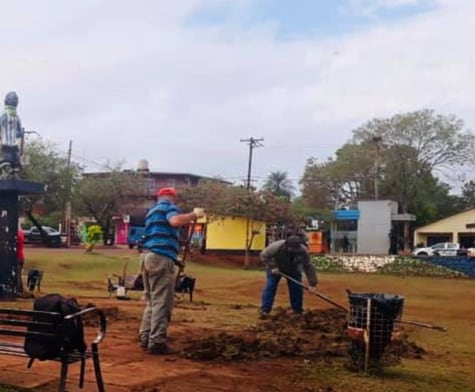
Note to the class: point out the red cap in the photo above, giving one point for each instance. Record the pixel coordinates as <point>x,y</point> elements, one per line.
<point>166,192</point>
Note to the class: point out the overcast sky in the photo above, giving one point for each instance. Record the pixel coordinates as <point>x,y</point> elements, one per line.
<point>180,82</point>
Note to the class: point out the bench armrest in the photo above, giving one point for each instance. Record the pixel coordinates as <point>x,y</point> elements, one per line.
<point>102,322</point>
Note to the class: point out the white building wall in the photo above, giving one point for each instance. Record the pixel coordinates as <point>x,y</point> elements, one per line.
<point>374,226</point>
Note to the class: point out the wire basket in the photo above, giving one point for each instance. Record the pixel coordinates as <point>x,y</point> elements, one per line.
<point>371,325</point>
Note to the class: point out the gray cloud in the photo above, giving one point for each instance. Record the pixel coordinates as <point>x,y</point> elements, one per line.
<point>127,82</point>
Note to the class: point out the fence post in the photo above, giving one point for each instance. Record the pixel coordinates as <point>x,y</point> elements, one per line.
<point>367,335</point>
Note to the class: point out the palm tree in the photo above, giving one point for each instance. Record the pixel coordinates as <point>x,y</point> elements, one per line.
<point>279,184</point>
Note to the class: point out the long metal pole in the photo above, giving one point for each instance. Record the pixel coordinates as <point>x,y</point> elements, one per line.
<point>424,325</point>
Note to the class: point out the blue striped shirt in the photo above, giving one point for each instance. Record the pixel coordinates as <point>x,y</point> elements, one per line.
<point>160,237</point>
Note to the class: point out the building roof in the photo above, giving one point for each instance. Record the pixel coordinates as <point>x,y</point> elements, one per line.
<point>160,174</point>
<point>470,212</point>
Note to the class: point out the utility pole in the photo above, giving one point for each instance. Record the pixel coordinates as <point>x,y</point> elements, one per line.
<point>67,212</point>
<point>253,143</point>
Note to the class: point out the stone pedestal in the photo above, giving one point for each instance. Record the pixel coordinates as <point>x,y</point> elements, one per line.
<point>10,190</point>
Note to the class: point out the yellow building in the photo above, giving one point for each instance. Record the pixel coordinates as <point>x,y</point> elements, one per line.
<point>456,228</point>
<point>229,233</point>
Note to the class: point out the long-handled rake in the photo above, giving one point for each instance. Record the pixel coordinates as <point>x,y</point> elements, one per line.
<point>330,301</point>
<point>319,295</point>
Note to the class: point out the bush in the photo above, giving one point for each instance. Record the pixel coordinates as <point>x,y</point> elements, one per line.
<point>93,236</point>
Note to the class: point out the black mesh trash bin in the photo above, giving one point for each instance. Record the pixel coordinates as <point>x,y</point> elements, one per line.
<point>370,325</point>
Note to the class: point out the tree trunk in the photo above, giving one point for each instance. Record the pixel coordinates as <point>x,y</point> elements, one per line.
<point>247,244</point>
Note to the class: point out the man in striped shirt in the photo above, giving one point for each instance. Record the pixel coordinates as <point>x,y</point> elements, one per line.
<point>161,248</point>
<point>10,133</point>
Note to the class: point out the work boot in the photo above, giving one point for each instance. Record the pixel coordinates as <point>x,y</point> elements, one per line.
<point>143,341</point>
<point>144,344</point>
<point>263,315</point>
<point>161,349</point>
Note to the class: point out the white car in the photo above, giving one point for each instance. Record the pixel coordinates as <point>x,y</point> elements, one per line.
<point>439,249</point>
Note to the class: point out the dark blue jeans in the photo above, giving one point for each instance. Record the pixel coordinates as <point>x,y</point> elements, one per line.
<point>270,289</point>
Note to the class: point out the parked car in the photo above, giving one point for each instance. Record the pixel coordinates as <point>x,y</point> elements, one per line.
<point>443,249</point>
<point>33,236</point>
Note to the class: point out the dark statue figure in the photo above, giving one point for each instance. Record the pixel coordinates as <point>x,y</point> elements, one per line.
<point>11,188</point>
<point>11,134</point>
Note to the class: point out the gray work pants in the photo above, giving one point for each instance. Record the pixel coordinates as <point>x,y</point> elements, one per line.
<point>159,285</point>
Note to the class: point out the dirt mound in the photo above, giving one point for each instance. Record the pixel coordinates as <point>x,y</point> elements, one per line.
<point>314,333</point>
<point>403,347</point>
<point>400,347</point>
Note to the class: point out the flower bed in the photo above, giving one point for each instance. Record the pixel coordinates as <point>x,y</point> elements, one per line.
<point>394,265</point>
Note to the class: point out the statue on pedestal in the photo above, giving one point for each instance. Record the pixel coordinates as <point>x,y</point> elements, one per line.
<point>11,134</point>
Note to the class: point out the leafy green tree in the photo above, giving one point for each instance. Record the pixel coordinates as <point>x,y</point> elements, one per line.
<point>346,178</point>
<point>102,197</point>
<point>223,199</point>
<point>220,199</point>
<point>46,165</point>
<point>435,141</point>
<point>468,195</point>
<point>319,189</point>
<point>279,184</point>
<point>401,155</point>
<point>432,201</point>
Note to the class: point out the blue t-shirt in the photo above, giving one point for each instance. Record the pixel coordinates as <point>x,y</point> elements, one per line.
<point>160,237</point>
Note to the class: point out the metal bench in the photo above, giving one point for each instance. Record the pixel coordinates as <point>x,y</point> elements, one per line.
<point>14,325</point>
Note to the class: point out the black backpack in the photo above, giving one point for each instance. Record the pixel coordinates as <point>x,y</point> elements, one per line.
<point>72,331</point>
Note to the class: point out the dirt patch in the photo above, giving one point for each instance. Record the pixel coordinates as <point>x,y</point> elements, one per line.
<point>404,347</point>
<point>315,334</point>
<point>284,334</point>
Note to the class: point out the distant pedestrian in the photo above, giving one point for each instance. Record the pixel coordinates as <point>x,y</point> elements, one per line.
<point>160,255</point>
<point>346,244</point>
<point>291,258</point>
